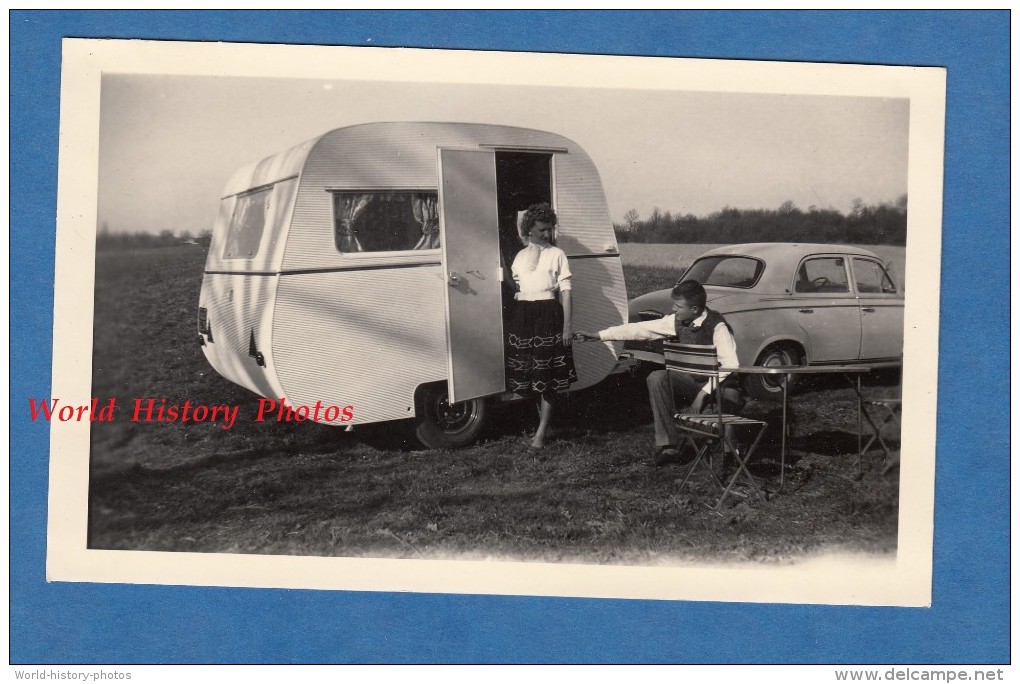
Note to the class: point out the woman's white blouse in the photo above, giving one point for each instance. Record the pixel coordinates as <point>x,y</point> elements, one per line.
<point>551,273</point>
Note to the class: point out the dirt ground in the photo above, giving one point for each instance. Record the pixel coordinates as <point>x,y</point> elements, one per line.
<point>592,496</point>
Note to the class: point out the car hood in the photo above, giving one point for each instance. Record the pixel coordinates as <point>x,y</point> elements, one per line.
<point>720,299</point>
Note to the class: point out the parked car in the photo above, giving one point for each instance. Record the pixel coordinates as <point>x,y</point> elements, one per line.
<point>793,304</point>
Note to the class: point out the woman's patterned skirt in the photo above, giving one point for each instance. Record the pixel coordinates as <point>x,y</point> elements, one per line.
<point>537,361</point>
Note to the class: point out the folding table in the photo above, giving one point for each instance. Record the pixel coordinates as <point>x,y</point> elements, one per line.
<point>786,372</point>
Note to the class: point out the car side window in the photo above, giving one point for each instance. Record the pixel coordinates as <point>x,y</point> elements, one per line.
<point>822,274</point>
<point>871,278</point>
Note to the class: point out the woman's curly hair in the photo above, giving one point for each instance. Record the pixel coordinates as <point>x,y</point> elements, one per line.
<point>535,213</point>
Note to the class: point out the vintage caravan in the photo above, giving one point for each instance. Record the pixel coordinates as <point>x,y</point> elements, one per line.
<point>367,269</point>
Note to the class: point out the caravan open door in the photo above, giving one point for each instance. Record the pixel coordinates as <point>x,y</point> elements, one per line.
<point>469,225</point>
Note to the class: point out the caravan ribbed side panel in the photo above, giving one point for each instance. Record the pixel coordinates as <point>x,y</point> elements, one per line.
<point>365,338</point>
<point>403,156</point>
<point>585,227</point>
<point>599,299</point>
<point>238,308</point>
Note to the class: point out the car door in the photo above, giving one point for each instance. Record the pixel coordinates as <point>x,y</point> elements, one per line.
<point>826,308</point>
<point>881,310</point>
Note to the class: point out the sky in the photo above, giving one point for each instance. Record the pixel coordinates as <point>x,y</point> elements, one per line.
<point>168,144</point>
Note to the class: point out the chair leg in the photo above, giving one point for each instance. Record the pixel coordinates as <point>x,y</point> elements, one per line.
<point>881,443</point>
<point>875,430</point>
<point>698,458</point>
<point>876,436</point>
<point>742,468</point>
<point>891,462</point>
<point>733,480</point>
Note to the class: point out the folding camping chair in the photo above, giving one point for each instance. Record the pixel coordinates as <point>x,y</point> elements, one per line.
<point>702,431</point>
<point>889,410</point>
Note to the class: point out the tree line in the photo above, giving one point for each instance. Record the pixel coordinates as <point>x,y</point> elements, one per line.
<point>107,240</point>
<point>879,224</point>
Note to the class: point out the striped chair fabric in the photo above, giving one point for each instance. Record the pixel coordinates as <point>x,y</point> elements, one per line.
<point>702,430</point>
<point>711,421</point>
<point>696,359</point>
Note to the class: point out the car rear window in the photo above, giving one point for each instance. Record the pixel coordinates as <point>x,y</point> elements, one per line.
<point>726,271</point>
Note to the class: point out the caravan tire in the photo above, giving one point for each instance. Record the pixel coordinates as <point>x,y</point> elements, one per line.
<point>441,425</point>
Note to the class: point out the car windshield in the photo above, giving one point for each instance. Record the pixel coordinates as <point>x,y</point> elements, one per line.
<point>726,271</point>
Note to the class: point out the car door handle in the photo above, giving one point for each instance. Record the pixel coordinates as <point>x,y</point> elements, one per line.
<point>807,310</point>
<point>868,309</point>
<point>454,278</point>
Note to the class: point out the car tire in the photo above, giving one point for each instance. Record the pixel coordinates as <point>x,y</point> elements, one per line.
<point>770,387</point>
<point>440,425</point>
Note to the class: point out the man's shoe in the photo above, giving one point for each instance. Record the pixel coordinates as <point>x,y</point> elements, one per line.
<point>666,454</point>
<point>686,455</point>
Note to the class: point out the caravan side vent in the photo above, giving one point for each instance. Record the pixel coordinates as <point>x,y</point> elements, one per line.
<point>253,350</point>
<point>204,326</point>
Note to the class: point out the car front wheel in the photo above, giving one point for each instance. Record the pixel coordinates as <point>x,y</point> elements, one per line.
<point>442,425</point>
<point>766,387</point>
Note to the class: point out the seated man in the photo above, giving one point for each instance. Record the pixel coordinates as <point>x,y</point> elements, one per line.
<point>691,322</point>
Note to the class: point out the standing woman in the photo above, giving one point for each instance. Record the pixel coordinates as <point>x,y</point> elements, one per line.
<point>539,360</point>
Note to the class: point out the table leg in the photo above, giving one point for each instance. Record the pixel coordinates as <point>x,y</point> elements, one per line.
<point>782,450</point>
<point>860,427</point>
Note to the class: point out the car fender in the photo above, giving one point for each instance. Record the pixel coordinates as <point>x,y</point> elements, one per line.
<point>658,301</point>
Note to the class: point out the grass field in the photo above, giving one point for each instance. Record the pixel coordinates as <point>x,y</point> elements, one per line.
<point>309,489</point>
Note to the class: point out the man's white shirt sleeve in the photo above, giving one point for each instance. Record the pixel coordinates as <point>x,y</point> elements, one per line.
<point>655,329</point>
<point>725,349</point>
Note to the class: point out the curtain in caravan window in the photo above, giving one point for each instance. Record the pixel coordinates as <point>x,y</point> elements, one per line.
<point>426,213</point>
<point>395,221</point>
<point>247,224</point>
<point>349,209</point>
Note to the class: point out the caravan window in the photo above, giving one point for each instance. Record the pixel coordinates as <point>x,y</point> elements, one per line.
<point>386,221</point>
<point>246,224</point>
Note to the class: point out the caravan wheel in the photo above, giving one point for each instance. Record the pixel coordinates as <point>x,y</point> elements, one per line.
<point>442,425</point>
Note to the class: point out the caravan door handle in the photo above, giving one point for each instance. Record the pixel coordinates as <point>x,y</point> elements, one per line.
<point>806,310</point>
<point>454,278</point>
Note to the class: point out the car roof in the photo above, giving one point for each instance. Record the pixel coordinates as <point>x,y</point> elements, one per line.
<point>790,250</point>
<point>779,253</point>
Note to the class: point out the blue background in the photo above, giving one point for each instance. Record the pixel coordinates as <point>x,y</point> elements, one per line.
<point>969,618</point>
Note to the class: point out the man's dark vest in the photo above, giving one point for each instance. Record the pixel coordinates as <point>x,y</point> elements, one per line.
<point>701,335</point>
<point>704,334</point>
